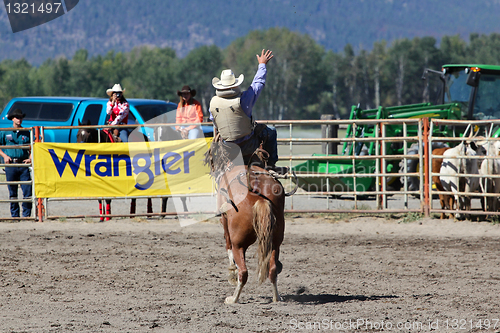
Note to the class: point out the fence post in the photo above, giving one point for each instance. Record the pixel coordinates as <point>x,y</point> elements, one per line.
<point>329,131</point>
<point>426,168</point>
<point>40,200</point>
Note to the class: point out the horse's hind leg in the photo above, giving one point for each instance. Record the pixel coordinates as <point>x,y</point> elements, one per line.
<point>164,205</point>
<point>132,206</point>
<point>150,206</point>
<point>239,258</point>
<point>275,267</point>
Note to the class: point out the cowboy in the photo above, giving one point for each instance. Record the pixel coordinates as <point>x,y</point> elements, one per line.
<point>17,137</point>
<point>231,112</point>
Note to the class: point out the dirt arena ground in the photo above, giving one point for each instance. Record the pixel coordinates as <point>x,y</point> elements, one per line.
<point>365,274</point>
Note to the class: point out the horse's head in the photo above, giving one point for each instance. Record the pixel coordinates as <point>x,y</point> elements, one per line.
<point>85,134</point>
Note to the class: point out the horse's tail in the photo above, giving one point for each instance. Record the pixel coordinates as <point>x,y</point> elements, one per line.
<point>264,222</point>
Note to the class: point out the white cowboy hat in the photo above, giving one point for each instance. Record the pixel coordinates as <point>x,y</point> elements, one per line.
<point>116,88</point>
<point>227,80</point>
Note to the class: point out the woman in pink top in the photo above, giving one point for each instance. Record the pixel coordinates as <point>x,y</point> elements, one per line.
<point>189,111</point>
<point>118,110</point>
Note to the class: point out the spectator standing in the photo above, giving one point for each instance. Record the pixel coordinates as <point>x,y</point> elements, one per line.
<point>17,137</point>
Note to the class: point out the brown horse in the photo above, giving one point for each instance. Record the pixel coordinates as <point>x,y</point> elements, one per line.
<point>92,135</point>
<point>251,203</point>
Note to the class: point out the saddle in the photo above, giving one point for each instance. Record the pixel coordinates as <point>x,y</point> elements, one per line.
<point>112,135</point>
<point>222,156</point>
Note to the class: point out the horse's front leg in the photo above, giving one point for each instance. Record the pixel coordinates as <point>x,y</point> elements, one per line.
<point>239,258</point>
<point>164,204</point>
<point>233,270</point>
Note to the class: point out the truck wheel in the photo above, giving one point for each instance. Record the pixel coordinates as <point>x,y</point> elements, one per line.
<point>414,166</point>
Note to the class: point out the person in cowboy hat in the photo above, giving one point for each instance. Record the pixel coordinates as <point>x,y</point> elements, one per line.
<point>189,111</point>
<point>118,110</point>
<point>231,112</point>
<point>17,137</point>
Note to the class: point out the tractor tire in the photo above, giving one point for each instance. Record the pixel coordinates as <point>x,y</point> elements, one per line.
<point>413,166</point>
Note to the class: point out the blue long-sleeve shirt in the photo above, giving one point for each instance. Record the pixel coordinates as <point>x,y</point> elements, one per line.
<point>250,96</point>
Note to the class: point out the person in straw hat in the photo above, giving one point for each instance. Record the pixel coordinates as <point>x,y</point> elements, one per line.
<point>17,137</point>
<point>189,111</point>
<point>118,110</point>
<point>231,112</point>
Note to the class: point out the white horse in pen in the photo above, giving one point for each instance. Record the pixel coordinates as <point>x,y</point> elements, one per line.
<point>490,166</point>
<point>457,162</point>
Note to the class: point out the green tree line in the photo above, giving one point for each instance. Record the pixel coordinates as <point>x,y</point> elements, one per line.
<point>304,80</point>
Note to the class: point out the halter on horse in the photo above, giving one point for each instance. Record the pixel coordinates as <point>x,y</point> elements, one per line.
<point>251,203</point>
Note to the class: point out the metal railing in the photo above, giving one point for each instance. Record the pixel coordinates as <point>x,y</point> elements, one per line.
<point>330,186</point>
<point>333,190</point>
<point>4,165</point>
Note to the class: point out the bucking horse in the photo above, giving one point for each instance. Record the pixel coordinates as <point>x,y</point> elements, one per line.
<point>251,203</point>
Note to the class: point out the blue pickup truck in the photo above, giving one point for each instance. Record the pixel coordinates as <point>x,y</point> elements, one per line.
<point>67,111</point>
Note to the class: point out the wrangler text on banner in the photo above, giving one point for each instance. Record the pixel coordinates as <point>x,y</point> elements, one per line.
<point>85,170</point>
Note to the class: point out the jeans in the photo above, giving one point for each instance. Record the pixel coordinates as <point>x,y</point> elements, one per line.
<point>19,174</point>
<point>268,136</point>
<point>124,134</point>
<point>195,133</point>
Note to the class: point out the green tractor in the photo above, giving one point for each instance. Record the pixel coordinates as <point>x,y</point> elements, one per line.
<point>467,92</point>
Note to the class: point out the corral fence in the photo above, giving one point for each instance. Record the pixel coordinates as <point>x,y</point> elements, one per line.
<point>481,133</point>
<point>366,176</point>
<point>20,199</point>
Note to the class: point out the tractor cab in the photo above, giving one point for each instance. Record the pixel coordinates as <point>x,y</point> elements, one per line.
<point>475,87</point>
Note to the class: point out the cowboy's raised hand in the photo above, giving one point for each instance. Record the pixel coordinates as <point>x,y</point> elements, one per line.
<point>265,56</point>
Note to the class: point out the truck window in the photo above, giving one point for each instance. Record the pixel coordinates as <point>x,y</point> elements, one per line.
<point>30,109</point>
<point>56,111</point>
<point>44,111</point>
<point>131,119</point>
<point>92,113</point>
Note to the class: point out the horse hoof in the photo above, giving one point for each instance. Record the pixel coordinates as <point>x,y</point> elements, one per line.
<point>278,299</point>
<point>108,218</point>
<point>101,219</point>
<point>230,300</point>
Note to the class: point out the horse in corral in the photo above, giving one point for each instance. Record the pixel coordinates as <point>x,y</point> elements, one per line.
<point>251,204</point>
<point>85,135</point>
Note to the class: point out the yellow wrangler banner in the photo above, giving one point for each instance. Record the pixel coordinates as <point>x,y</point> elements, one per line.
<point>84,170</point>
